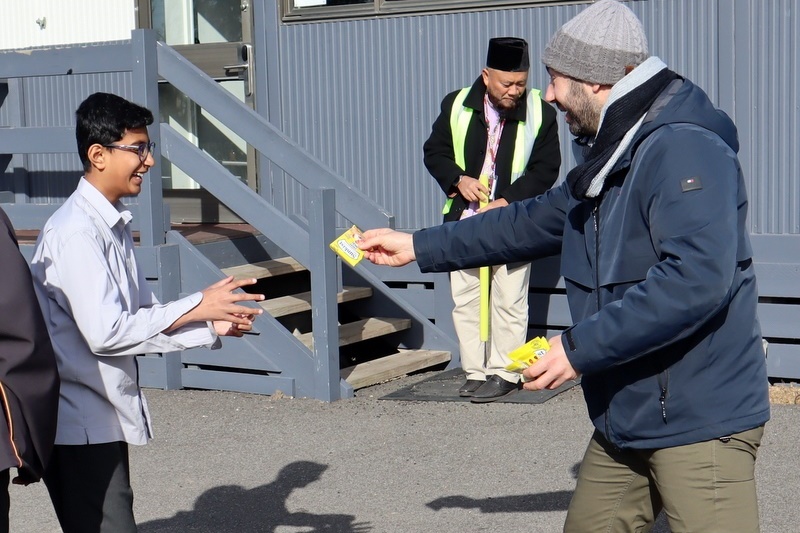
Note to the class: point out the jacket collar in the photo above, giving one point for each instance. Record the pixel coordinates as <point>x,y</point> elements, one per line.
<point>474,100</point>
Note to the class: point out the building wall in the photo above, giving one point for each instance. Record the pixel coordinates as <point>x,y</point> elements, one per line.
<point>377,84</point>
<point>34,23</point>
<point>360,95</point>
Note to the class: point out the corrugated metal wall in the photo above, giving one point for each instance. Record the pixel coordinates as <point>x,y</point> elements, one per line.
<point>768,112</point>
<point>377,83</point>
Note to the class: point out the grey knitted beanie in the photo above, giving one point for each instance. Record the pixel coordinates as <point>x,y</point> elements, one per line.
<point>598,43</point>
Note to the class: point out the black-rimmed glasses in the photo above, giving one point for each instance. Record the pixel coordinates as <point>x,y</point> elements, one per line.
<point>142,150</point>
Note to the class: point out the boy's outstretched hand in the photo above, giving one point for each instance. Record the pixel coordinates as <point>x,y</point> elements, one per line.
<point>386,246</point>
<point>221,304</point>
<point>229,329</point>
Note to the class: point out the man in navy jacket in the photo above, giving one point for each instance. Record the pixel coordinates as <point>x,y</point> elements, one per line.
<point>658,267</point>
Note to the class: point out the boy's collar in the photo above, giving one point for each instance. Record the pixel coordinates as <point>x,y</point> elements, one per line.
<point>110,213</point>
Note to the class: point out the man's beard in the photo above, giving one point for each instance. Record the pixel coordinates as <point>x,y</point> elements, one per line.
<point>584,114</point>
<point>502,111</point>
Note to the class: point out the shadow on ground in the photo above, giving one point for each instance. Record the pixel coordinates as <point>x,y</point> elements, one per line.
<point>262,509</point>
<point>523,503</point>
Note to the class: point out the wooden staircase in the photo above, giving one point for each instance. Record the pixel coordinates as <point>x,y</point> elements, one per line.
<point>372,366</point>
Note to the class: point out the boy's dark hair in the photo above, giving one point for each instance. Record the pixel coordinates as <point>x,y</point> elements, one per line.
<point>103,119</point>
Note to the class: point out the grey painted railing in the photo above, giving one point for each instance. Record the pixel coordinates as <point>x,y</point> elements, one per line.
<point>267,139</point>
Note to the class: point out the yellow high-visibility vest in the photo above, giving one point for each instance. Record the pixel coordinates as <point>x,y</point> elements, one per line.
<point>523,143</point>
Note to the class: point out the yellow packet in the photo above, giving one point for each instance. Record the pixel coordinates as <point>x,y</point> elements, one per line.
<point>527,354</point>
<point>345,245</point>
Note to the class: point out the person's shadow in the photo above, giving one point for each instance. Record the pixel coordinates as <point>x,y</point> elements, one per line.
<point>262,509</point>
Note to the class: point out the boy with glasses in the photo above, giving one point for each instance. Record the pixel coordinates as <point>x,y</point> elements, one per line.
<point>101,314</point>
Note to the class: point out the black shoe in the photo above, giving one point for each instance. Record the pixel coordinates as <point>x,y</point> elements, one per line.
<point>494,388</point>
<point>470,386</point>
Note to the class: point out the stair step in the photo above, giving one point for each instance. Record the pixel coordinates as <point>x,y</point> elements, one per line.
<point>265,269</point>
<point>392,366</point>
<point>297,303</point>
<point>361,330</point>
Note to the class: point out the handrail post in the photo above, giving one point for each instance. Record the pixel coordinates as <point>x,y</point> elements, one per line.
<point>144,75</point>
<point>324,315</point>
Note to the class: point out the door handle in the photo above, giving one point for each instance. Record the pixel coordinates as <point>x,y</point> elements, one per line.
<point>240,67</point>
<point>244,70</point>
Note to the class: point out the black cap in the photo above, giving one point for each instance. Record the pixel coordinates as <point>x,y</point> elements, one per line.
<point>509,54</point>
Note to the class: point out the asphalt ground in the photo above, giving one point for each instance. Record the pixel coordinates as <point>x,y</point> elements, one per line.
<point>240,463</point>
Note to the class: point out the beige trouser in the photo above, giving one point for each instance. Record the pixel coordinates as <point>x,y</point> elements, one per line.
<point>707,487</point>
<point>508,304</point>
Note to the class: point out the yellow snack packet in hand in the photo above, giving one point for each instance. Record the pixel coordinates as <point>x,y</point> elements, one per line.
<point>345,245</point>
<point>527,354</point>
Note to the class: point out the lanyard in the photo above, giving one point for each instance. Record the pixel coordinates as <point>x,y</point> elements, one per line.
<point>494,126</point>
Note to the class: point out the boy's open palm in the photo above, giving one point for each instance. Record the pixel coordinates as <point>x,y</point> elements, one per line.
<point>220,302</point>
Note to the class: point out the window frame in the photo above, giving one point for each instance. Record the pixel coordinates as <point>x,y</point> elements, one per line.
<point>388,8</point>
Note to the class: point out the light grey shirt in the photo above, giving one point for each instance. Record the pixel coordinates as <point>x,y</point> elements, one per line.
<point>101,313</point>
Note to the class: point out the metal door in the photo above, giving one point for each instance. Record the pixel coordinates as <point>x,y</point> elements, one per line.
<point>215,35</point>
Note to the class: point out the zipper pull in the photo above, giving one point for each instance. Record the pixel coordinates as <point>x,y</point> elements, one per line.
<point>663,400</point>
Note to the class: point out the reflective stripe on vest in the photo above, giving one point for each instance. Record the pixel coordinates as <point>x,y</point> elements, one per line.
<point>523,143</point>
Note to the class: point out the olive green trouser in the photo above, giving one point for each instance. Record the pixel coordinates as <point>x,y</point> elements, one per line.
<point>707,487</point>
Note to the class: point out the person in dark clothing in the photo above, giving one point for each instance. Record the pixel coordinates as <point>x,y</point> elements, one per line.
<point>28,375</point>
<point>657,263</point>
<point>495,142</point>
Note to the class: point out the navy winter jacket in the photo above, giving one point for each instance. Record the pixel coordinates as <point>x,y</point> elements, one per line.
<point>659,276</point>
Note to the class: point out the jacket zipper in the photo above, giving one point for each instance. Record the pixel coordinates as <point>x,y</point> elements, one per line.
<point>596,220</point>
<point>664,386</point>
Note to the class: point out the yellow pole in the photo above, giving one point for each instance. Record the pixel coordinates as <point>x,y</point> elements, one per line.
<point>484,279</point>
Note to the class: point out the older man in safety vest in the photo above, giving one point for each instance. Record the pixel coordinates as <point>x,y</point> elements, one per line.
<point>493,143</point>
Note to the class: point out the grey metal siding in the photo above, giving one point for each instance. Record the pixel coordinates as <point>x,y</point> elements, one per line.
<point>768,114</point>
<point>377,84</point>
<point>361,95</point>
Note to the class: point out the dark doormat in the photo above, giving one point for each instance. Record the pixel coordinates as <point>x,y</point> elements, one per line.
<point>443,387</point>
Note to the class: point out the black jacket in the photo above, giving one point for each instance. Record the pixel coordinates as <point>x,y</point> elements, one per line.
<point>28,373</point>
<point>541,169</point>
